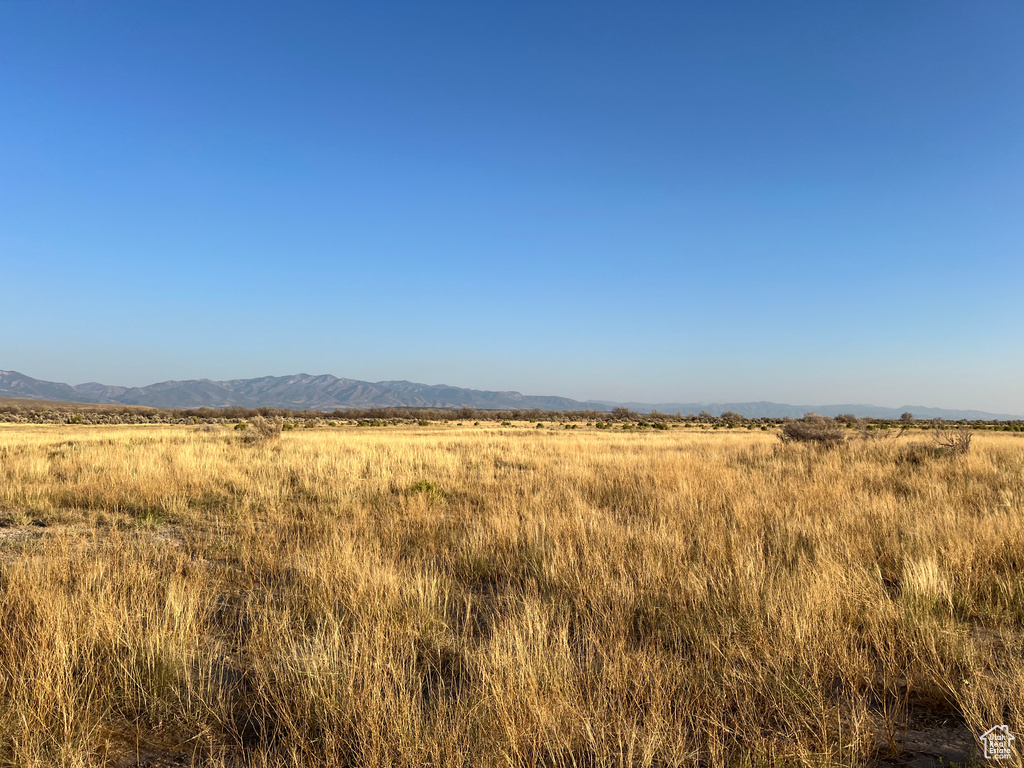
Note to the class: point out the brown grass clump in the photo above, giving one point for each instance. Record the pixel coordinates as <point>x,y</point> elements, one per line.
<point>499,597</point>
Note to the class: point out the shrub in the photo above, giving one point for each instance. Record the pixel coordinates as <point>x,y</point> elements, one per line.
<point>424,423</point>
<point>812,428</point>
<point>262,429</point>
<point>956,441</point>
<point>731,418</point>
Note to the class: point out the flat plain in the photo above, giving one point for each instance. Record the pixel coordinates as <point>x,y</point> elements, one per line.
<point>504,596</point>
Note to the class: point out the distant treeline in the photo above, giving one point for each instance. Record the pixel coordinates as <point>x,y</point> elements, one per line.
<point>29,411</point>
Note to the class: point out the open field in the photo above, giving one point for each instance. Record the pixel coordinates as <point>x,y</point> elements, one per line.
<point>504,596</point>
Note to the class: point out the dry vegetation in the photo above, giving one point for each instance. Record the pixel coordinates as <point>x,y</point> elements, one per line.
<point>520,597</point>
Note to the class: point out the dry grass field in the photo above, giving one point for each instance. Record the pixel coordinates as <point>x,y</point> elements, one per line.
<point>486,596</point>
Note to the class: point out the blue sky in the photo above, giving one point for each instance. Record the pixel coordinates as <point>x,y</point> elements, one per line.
<point>802,202</point>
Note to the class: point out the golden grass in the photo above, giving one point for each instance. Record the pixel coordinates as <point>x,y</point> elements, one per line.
<point>487,596</point>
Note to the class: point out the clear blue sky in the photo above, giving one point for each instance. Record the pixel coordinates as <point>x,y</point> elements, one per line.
<point>804,202</point>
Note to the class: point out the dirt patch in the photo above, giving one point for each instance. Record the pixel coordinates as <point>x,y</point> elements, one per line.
<point>934,746</point>
<point>15,538</point>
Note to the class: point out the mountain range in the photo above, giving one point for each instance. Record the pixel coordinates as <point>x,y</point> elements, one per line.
<point>328,393</point>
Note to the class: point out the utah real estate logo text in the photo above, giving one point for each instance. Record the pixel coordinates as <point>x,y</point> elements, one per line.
<point>996,741</point>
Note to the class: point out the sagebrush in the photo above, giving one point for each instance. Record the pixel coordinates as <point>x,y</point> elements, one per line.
<point>813,428</point>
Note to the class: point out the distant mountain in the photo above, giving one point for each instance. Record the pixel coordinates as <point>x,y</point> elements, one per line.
<point>14,384</point>
<point>432,396</point>
<point>327,393</point>
<point>300,392</point>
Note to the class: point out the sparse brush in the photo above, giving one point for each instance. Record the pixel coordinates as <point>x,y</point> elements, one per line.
<point>953,440</point>
<point>812,428</point>
<point>262,429</point>
<point>876,432</point>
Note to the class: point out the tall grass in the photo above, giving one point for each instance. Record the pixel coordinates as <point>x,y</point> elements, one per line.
<point>500,597</point>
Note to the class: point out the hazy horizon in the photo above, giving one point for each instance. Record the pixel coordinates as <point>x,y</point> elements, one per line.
<point>582,399</point>
<point>795,203</point>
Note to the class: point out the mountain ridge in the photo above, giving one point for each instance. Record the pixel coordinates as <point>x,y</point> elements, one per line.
<point>325,392</point>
